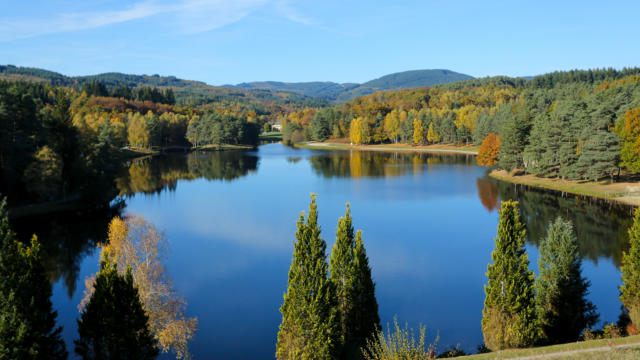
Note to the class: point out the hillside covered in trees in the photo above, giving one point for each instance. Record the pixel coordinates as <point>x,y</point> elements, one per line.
<point>62,144</point>
<point>347,91</point>
<point>572,125</point>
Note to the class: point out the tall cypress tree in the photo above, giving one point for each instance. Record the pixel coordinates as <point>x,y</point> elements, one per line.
<point>350,274</point>
<point>630,269</point>
<point>562,307</point>
<point>27,322</point>
<point>309,327</point>
<point>341,274</point>
<point>113,323</point>
<point>508,317</point>
<point>366,319</point>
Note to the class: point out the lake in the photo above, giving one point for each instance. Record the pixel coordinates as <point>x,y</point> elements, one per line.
<point>429,225</point>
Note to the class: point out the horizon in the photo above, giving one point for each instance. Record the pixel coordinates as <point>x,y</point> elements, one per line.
<point>220,42</point>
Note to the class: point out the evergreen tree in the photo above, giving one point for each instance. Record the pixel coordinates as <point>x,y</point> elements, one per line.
<point>561,303</point>
<point>512,144</point>
<point>27,322</point>
<point>350,274</point>
<point>600,155</point>
<point>341,274</point>
<point>630,269</point>
<point>508,317</point>
<point>366,318</point>
<point>113,324</point>
<point>309,328</point>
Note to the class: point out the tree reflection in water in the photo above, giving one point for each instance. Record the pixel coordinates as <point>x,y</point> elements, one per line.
<point>601,226</point>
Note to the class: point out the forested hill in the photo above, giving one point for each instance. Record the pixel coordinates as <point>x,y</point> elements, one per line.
<point>187,92</point>
<point>344,92</point>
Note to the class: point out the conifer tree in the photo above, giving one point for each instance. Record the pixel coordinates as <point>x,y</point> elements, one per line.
<point>27,322</point>
<point>342,276</point>
<point>600,155</point>
<point>350,274</point>
<point>114,324</point>
<point>512,144</point>
<point>366,318</point>
<point>562,307</point>
<point>309,328</point>
<point>630,269</point>
<point>508,317</point>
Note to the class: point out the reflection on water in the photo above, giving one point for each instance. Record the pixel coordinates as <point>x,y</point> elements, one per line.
<point>156,174</point>
<point>357,164</point>
<point>601,226</point>
<point>66,238</point>
<point>429,222</point>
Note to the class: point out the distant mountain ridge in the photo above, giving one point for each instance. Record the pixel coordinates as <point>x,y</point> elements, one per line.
<point>337,92</point>
<point>262,90</point>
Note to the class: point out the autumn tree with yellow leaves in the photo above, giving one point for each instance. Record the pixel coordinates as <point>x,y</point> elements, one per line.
<point>138,245</point>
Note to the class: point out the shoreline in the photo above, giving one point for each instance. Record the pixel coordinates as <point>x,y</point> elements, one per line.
<point>453,149</point>
<point>625,193</point>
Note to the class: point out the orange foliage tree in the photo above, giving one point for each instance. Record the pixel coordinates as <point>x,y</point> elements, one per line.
<point>488,152</point>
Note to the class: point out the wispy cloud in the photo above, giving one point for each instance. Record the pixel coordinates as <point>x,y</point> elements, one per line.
<point>186,16</point>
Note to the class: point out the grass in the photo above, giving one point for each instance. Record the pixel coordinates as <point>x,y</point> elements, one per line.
<point>623,192</point>
<point>437,148</point>
<point>557,350</point>
<point>272,136</point>
<point>223,147</point>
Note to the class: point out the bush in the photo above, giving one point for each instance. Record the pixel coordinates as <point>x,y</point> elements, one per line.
<point>401,344</point>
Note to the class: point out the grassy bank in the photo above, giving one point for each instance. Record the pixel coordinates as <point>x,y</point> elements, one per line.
<point>273,136</point>
<point>620,348</point>
<point>222,147</point>
<point>437,148</point>
<point>625,192</point>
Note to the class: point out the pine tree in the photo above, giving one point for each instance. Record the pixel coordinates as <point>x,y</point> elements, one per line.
<point>27,322</point>
<point>512,144</point>
<point>508,317</point>
<point>113,324</point>
<point>366,318</point>
<point>309,328</point>
<point>630,270</point>
<point>350,274</point>
<point>341,274</point>
<point>600,155</point>
<point>562,307</point>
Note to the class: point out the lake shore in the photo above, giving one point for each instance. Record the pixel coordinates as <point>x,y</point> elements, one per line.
<point>438,148</point>
<point>627,193</point>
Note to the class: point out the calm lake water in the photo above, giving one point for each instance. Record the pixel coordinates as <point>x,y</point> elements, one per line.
<point>429,224</point>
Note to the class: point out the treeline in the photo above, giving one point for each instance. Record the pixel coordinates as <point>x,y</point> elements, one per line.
<point>573,125</point>
<point>218,129</point>
<point>43,155</point>
<point>59,144</point>
<point>144,93</point>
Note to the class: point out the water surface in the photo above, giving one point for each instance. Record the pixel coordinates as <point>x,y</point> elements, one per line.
<point>429,222</point>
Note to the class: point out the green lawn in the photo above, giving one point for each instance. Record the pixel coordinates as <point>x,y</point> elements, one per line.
<point>557,350</point>
<point>272,136</point>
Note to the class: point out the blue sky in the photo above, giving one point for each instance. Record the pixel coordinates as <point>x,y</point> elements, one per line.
<point>222,42</point>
